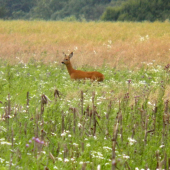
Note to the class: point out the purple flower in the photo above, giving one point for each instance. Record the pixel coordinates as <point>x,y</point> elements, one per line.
<point>30,141</point>
<point>33,138</point>
<point>42,142</point>
<point>27,145</point>
<point>37,140</point>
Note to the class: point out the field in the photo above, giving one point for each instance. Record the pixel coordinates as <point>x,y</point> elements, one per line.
<point>51,122</point>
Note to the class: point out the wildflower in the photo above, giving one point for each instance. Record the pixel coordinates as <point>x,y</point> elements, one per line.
<point>60,159</point>
<point>131,141</point>
<point>66,160</point>
<point>72,159</point>
<point>98,167</point>
<point>37,140</point>
<point>126,156</point>
<point>63,134</point>
<point>107,148</point>
<point>142,38</point>
<point>113,162</point>
<point>30,141</point>
<point>5,143</point>
<point>79,125</point>
<point>147,37</point>
<point>2,160</point>
<point>75,144</point>
<point>110,41</point>
<point>95,137</point>
<point>27,145</point>
<point>42,142</point>
<point>88,144</point>
<point>162,146</point>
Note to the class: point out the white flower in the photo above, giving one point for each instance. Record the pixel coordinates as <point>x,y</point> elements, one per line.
<point>98,167</point>
<point>142,38</point>
<point>72,159</point>
<point>64,133</point>
<point>60,159</point>
<point>162,146</point>
<point>110,41</point>
<point>79,125</point>
<point>66,160</point>
<point>107,148</point>
<point>2,160</point>
<point>75,144</point>
<point>5,143</point>
<point>95,137</point>
<point>147,37</point>
<point>126,156</point>
<point>131,141</point>
<point>88,144</point>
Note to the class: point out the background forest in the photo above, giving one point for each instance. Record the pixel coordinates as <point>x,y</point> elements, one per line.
<point>86,10</point>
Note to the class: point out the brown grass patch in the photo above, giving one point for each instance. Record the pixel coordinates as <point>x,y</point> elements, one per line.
<point>115,44</point>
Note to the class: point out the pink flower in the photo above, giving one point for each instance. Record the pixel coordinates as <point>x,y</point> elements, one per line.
<point>37,140</point>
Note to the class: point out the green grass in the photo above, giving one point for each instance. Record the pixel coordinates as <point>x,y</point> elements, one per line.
<point>67,133</point>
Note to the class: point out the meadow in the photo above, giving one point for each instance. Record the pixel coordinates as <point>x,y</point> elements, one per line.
<point>51,122</point>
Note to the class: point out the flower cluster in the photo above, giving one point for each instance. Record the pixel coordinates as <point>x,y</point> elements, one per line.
<point>37,140</point>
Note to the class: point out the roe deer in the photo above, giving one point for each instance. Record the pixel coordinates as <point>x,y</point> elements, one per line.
<point>78,74</point>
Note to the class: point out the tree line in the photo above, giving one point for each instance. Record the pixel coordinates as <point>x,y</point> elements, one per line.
<point>86,10</point>
<point>139,10</point>
<point>54,9</point>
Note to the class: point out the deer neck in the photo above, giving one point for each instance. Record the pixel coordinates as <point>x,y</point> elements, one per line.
<point>70,68</point>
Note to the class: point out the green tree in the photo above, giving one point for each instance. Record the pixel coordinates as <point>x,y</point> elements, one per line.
<point>139,10</point>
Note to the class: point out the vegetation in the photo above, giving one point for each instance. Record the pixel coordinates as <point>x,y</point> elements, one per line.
<point>80,10</point>
<point>118,45</point>
<point>54,9</point>
<point>51,122</point>
<point>139,10</point>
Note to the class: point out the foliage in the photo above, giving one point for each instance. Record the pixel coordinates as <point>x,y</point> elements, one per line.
<point>139,10</point>
<point>53,9</point>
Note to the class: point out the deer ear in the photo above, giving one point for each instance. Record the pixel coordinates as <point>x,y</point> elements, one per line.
<point>71,55</point>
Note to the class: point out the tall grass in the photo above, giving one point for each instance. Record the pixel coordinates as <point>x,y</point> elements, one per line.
<point>48,121</point>
<point>116,44</point>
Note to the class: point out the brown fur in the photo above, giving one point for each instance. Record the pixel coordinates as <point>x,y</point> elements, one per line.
<point>78,74</point>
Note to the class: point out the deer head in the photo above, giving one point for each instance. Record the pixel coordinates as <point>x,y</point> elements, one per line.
<point>67,58</point>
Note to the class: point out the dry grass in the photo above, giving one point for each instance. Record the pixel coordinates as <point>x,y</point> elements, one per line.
<point>116,44</point>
